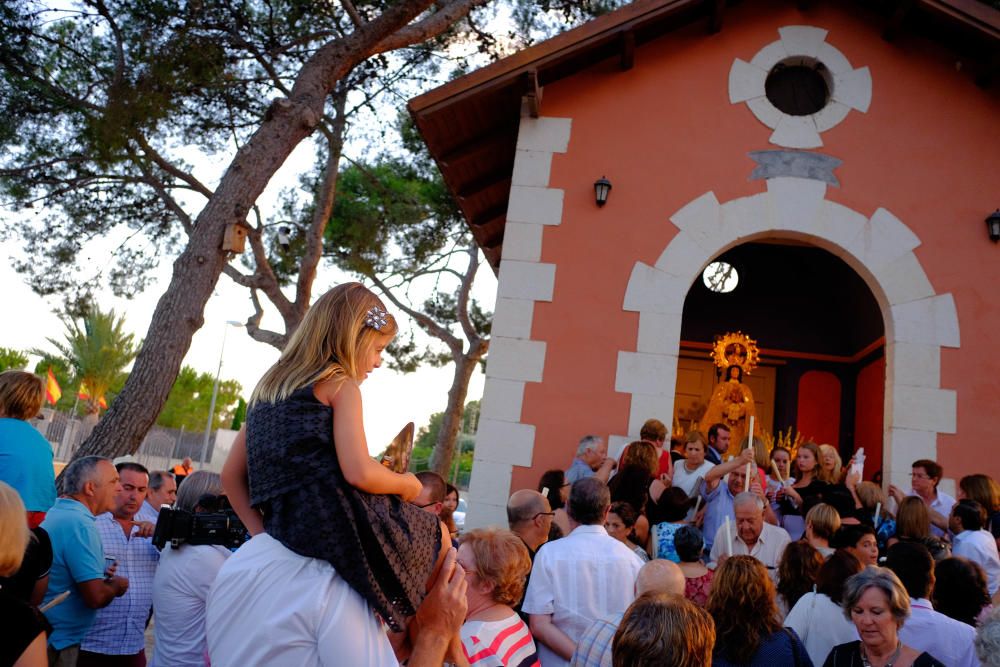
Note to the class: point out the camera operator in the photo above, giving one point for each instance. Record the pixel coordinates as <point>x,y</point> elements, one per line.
<point>183,580</point>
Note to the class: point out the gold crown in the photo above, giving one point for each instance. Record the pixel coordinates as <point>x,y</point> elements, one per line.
<point>736,349</point>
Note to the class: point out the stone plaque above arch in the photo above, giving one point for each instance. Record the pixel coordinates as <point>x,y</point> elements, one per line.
<point>849,88</point>
<point>918,321</point>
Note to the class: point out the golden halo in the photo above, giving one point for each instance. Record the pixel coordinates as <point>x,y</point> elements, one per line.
<point>736,349</point>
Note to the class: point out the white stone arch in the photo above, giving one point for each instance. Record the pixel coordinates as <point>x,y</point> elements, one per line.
<point>918,321</point>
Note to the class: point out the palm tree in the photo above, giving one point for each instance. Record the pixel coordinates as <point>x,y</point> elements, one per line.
<point>97,350</point>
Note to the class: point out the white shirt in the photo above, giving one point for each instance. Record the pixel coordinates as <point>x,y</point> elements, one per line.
<point>951,642</point>
<point>981,547</point>
<point>942,505</point>
<point>820,624</point>
<point>180,589</point>
<point>578,579</point>
<point>685,479</point>
<point>270,606</point>
<point>768,548</point>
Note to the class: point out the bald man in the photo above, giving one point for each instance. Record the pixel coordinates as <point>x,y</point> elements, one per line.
<point>594,647</point>
<point>530,517</point>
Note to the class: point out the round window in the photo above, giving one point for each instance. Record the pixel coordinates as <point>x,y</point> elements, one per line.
<point>798,86</point>
<point>720,277</point>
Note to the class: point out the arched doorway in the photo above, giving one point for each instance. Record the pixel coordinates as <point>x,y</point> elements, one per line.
<point>822,341</point>
<point>918,322</point>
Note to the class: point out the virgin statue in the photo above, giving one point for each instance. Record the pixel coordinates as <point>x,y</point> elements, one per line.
<point>732,401</point>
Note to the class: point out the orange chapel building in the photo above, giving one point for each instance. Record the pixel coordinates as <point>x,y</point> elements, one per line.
<point>813,175</point>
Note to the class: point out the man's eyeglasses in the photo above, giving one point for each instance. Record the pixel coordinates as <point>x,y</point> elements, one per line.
<point>543,514</point>
<point>919,475</point>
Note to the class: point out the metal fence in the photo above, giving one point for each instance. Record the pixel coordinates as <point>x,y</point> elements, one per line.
<point>161,445</point>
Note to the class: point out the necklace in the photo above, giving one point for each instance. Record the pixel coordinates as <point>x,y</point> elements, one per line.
<point>889,663</point>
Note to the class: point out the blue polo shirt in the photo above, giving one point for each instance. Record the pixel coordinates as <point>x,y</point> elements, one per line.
<point>77,556</point>
<point>26,464</point>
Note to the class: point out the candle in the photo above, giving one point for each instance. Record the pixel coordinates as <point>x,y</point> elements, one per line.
<point>777,473</point>
<point>697,504</point>
<point>729,538</point>
<point>746,479</point>
<point>750,438</point>
<point>878,513</point>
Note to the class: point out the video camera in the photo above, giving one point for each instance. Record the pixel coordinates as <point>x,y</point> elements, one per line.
<point>219,525</point>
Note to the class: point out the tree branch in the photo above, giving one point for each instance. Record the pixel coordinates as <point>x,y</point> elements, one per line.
<point>102,9</point>
<point>463,295</point>
<point>325,197</point>
<point>422,319</point>
<point>272,338</point>
<point>166,166</point>
<point>239,277</point>
<point>431,26</point>
<point>267,282</point>
<point>353,13</point>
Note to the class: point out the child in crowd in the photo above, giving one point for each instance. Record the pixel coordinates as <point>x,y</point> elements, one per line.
<point>301,470</point>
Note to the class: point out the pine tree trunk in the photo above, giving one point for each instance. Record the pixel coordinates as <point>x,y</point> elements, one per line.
<point>451,423</point>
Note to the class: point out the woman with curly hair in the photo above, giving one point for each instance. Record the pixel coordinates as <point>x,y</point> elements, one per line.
<point>496,563</point>
<point>797,572</point>
<point>747,624</point>
<point>960,589</point>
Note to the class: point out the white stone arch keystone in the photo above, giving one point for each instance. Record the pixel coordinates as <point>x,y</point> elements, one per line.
<point>918,321</point>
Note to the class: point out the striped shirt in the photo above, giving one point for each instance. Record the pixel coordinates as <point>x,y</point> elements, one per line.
<point>505,643</point>
<point>120,627</point>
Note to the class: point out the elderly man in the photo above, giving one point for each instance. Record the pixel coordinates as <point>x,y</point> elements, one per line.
<point>162,491</point>
<point>719,497</point>
<point>752,536</point>
<point>591,460</point>
<point>580,578</point>
<point>594,647</point>
<point>432,492</point>
<point>90,485</point>
<point>948,640</point>
<point>117,635</point>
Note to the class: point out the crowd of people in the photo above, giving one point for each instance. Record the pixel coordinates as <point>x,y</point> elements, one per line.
<point>677,552</point>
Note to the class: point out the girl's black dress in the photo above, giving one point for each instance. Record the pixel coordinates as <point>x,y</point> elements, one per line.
<point>383,547</point>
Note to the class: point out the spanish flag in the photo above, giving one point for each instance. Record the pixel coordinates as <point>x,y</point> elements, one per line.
<point>84,395</point>
<point>52,391</point>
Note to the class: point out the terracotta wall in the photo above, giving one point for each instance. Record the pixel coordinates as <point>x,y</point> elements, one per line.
<point>665,132</point>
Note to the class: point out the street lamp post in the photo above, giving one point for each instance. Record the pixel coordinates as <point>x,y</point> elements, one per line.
<point>215,393</point>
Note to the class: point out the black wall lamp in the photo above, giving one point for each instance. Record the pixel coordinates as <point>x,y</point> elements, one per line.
<point>602,187</point>
<point>993,225</point>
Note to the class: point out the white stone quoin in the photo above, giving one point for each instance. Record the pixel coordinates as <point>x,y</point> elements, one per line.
<point>502,440</point>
